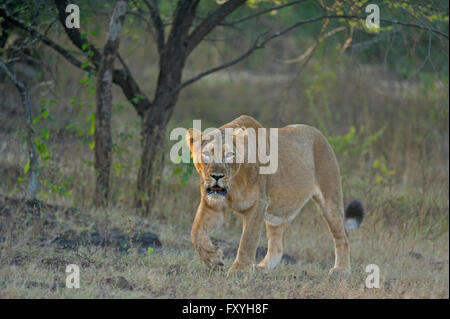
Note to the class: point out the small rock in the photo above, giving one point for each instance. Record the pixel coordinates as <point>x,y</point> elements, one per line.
<point>147,240</point>
<point>118,239</point>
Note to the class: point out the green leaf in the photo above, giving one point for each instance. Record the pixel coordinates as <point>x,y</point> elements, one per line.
<point>92,145</point>
<point>92,121</point>
<point>45,133</point>
<point>150,250</point>
<point>45,112</point>
<point>27,167</point>
<point>36,119</point>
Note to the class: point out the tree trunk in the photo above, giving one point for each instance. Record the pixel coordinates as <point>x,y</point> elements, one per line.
<point>155,119</point>
<point>33,182</point>
<point>151,140</point>
<point>153,128</point>
<point>154,124</point>
<point>103,138</point>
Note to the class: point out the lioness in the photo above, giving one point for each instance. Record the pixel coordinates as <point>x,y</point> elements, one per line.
<point>307,168</point>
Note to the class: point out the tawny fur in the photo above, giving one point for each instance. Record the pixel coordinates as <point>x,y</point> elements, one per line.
<point>307,169</point>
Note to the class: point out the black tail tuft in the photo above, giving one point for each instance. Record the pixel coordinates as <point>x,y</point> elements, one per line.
<point>354,214</point>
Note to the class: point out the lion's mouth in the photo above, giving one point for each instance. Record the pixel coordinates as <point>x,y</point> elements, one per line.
<point>216,190</point>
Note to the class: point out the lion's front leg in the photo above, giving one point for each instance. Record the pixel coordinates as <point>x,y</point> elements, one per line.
<point>252,225</point>
<point>276,235</point>
<point>205,222</point>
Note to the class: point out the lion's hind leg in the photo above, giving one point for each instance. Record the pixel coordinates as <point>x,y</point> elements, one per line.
<point>333,214</point>
<point>276,244</point>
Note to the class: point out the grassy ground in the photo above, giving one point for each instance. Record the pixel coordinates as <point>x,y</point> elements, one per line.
<point>32,264</point>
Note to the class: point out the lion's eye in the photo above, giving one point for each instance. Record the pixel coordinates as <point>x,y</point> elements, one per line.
<point>206,156</point>
<point>229,155</point>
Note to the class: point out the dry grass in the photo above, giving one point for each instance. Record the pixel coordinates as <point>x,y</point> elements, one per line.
<point>411,266</point>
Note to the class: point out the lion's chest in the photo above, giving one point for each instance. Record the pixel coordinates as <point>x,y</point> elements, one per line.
<point>242,205</point>
<point>242,199</point>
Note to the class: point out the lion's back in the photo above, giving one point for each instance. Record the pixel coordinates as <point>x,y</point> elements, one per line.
<point>244,121</point>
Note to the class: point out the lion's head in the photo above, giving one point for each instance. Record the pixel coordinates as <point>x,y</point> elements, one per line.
<point>218,156</point>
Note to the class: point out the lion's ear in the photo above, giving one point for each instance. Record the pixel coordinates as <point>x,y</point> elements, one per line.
<point>240,138</point>
<point>193,135</point>
<point>240,132</point>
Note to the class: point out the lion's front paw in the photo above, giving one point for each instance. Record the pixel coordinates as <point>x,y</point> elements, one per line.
<point>262,267</point>
<point>214,259</point>
<point>238,267</point>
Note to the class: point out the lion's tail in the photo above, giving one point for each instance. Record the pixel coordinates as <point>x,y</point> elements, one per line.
<point>354,214</point>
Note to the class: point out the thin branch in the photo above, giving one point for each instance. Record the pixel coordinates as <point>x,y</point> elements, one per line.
<point>183,17</point>
<point>355,17</point>
<point>65,53</point>
<point>349,40</point>
<point>152,6</point>
<point>256,45</point>
<point>257,14</point>
<point>407,24</point>
<point>173,57</point>
<point>74,35</point>
<point>211,21</point>
<point>260,41</point>
<point>312,48</point>
<point>140,16</point>
<point>148,22</point>
<point>33,182</point>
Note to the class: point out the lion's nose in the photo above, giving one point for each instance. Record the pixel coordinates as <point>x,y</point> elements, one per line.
<point>217,176</point>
